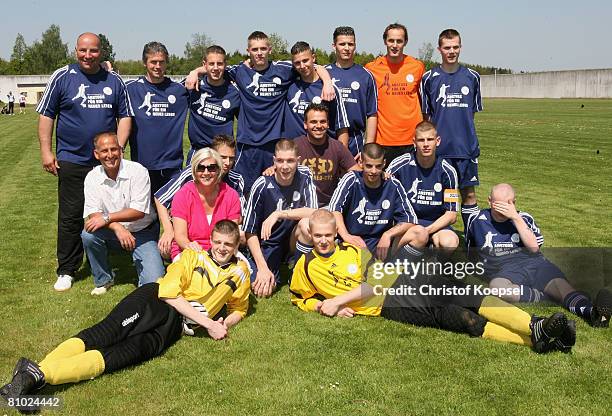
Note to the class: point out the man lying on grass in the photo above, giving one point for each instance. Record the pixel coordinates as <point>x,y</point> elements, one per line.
<point>151,318</point>
<point>336,280</point>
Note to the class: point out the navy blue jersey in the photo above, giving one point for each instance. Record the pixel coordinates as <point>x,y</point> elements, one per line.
<point>499,243</point>
<point>268,196</point>
<point>360,95</point>
<point>156,140</point>
<point>212,111</point>
<point>432,191</point>
<point>166,193</point>
<point>369,212</point>
<point>263,101</point>
<point>451,101</point>
<point>84,106</point>
<point>300,95</point>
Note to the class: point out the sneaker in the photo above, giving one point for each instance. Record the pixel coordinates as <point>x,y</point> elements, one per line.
<point>98,291</point>
<point>602,310</point>
<point>27,377</point>
<point>545,330</point>
<point>567,339</point>
<point>64,283</point>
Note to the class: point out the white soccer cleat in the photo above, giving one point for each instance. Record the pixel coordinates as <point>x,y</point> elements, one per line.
<point>64,283</point>
<point>97,291</point>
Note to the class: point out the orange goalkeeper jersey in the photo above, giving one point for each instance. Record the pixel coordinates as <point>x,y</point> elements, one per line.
<point>399,110</point>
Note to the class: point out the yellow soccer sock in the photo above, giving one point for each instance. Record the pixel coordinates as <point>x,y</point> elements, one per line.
<point>83,366</point>
<point>68,348</point>
<point>499,333</point>
<point>501,312</point>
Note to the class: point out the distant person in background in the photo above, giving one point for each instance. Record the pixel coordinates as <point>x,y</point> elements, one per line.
<point>86,100</point>
<point>397,79</point>
<point>160,109</point>
<point>11,103</point>
<point>22,103</point>
<point>450,96</point>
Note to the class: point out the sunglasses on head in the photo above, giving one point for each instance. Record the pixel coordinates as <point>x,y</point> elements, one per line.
<point>212,168</point>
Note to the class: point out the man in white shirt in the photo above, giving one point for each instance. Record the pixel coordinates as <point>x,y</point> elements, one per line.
<point>118,214</point>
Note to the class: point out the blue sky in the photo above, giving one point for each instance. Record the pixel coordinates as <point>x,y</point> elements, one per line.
<point>522,35</point>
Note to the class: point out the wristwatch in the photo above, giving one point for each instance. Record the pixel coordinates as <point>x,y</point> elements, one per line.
<point>106,217</point>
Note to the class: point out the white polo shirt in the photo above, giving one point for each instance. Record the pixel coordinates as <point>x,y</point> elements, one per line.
<point>132,189</point>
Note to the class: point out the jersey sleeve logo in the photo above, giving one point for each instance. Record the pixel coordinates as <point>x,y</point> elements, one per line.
<point>451,195</point>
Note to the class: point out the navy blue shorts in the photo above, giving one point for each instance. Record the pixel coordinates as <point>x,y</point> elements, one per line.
<point>274,254</point>
<point>467,171</point>
<point>251,161</point>
<point>536,273</point>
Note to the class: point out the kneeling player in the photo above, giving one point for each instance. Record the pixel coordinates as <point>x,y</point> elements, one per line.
<point>510,242</point>
<point>150,319</point>
<point>372,212</point>
<point>433,186</point>
<point>275,220</point>
<point>330,280</point>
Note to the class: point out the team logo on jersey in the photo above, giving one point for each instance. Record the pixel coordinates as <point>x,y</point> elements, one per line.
<point>386,204</point>
<point>442,94</point>
<point>147,103</point>
<point>465,90</point>
<point>410,78</point>
<point>355,85</point>
<point>276,80</point>
<point>414,189</point>
<point>352,268</point>
<point>81,94</point>
<point>108,91</point>
<point>226,104</point>
<point>316,100</point>
<point>437,187</point>
<point>171,99</point>
<point>295,101</point>
<point>489,240</point>
<point>296,196</point>
<point>255,83</point>
<point>360,210</point>
<point>515,238</point>
<point>202,102</point>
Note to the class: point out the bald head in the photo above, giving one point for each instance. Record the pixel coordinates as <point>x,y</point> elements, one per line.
<point>502,191</point>
<point>88,52</point>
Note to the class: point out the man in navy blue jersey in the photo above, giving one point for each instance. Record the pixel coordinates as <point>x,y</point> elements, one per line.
<point>307,89</point>
<point>450,96</point>
<point>375,213</point>
<point>276,217</point>
<point>160,108</point>
<point>509,242</point>
<point>226,147</point>
<point>86,100</point>
<point>263,87</point>
<point>357,89</point>
<point>432,186</point>
<point>214,105</point>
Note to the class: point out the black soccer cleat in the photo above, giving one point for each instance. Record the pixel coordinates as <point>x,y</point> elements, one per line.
<point>27,377</point>
<point>544,331</point>
<point>602,310</point>
<point>567,339</point>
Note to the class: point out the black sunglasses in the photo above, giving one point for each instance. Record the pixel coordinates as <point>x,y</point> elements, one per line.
<point>212,168</point>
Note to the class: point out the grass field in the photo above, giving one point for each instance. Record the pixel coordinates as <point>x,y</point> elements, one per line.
<point>283,361</point>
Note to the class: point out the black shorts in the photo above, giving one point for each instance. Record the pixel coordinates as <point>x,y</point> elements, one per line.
<point>139,328</point>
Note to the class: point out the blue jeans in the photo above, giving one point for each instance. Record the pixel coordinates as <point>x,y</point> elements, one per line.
<point>147,259</point>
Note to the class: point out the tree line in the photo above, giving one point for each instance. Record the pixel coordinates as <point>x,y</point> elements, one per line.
<point>49,53</point>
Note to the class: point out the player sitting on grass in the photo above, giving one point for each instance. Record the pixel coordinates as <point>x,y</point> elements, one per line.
<point>330,280</point>
<point>275,220</point>
<point>433,186</point>
<point>371,212</point>
<point>510,243</point>
<point>150,319</point>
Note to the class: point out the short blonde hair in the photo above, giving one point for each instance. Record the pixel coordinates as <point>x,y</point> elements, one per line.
<point>203,154</point>
<point>322,216</point>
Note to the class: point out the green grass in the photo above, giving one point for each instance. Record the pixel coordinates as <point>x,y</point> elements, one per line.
<point>283,361</point>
